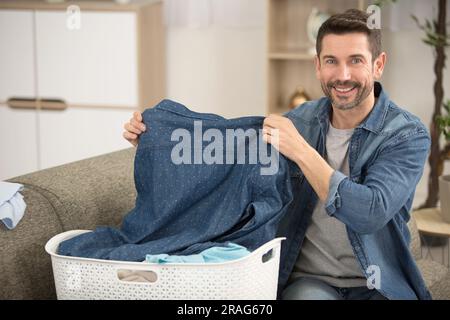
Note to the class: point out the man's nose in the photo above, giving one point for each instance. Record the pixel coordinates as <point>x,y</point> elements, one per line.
<point>344,73</point>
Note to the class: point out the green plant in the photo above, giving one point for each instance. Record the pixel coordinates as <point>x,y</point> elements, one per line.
<point>381,3</point>
<point>433,37</point>
<point>443,121</point>
<point>436,37</point>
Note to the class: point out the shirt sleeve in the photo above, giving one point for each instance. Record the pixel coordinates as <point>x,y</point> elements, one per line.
<point>384,188</point>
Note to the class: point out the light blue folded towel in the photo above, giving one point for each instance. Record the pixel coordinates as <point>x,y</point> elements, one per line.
<point>12,205</point>
<point>229,252</point>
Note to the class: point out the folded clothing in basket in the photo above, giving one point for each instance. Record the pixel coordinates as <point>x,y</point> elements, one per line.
<point>231,251</point>
<point>194,190</point>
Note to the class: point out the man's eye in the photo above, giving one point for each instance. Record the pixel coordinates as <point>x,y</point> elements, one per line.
<point>356,60</point>
<point>329,61</point>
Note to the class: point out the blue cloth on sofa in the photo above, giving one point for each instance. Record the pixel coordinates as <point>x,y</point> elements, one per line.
<point>229,252</point>
<point>183,209</point>
<point>12,205</point>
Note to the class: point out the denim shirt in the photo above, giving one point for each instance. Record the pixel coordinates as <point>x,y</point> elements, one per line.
<point>185,208</point>
<point>387,153</point>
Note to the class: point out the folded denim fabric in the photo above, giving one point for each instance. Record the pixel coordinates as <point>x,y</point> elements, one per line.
<point>12,205</point>
<point>187,200</point>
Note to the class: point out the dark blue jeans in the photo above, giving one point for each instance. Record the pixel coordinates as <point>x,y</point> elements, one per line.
<point>185,208</point>
<point>313,289</point>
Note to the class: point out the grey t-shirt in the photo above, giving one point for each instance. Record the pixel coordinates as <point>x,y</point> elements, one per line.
<point>326,253</point>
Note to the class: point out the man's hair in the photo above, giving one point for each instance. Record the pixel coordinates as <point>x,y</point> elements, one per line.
<point>351,21</point>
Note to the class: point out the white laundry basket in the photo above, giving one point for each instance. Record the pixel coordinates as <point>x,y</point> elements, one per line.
<point>252,277</point>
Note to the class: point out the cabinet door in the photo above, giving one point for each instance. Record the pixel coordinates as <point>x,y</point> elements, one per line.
<point>16,54</point>
<point>93,65</point>
<point>75,134</point>
<point>18,142</point>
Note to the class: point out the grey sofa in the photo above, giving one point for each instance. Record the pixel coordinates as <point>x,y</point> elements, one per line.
<point>86,194</point>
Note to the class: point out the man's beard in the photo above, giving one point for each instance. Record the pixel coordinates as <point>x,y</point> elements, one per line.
<point>362,93</point>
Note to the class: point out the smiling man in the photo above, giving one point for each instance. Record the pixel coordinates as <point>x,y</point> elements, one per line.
<point>363,157</point>
<point>358,158</point>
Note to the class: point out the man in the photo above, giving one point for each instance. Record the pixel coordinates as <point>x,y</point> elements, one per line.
<point>359,158</point>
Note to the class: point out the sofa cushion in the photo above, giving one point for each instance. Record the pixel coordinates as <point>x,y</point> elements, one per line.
<point>440,290</point>
<point>432,271</point>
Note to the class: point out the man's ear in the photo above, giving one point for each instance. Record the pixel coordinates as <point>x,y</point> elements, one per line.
<point>317,65</point>
<point>379,64</point>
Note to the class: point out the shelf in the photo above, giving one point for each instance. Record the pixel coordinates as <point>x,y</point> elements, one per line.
<point>290,53</point>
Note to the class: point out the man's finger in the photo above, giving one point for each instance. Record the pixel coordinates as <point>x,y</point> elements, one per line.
<point>266,138</point>
<point>129,127</point>
<point>129,136</point>
<point>138,125</point>
<point>267,131</point>
<point>269,123</point>
<point>138,116</point>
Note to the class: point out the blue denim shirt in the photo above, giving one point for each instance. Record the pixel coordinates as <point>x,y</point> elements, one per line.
<point>386,157</point>
<point>185,208</point>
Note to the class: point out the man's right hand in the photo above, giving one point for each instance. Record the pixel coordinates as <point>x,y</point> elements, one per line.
<point>134,128</point>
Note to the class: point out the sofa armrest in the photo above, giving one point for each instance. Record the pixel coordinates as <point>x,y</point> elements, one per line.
<point>79,195</point>
<point>89,192</point>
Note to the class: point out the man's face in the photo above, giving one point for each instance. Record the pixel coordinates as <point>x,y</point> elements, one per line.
<point>345,69</point>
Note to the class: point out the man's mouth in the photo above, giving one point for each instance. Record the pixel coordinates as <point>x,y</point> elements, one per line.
<point>344,90</point>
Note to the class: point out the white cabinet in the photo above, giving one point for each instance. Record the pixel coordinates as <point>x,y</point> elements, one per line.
<point>18,128</point>
<point>101,72</point>
<point>16,54</point>
<point>75,134</point>
<point>95,65</point>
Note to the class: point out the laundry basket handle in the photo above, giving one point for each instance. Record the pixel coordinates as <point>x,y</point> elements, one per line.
<point>136,274</point>
<point>267,251</point>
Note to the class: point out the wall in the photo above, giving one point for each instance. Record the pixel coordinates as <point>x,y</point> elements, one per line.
<point>218,67</point>
<point>217,70</point>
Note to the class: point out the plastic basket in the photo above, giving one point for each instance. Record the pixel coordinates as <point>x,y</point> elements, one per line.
<point>252,277</point>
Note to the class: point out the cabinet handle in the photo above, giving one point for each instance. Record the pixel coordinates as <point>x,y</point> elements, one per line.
<point>53,104</point>
<point>22,103</point>
<point>33,103</point>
